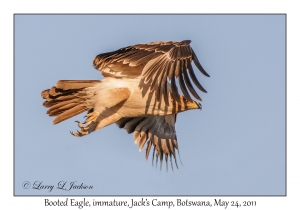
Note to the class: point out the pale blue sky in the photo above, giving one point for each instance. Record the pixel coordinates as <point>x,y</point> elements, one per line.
<point>234,146</point>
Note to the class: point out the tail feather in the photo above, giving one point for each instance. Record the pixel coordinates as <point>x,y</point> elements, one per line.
<point>63,105</point>
<point>76,84</point>
<point>67,99</point>
<point>57,100</point>
<point>53,110</point>
<point>69,113</point>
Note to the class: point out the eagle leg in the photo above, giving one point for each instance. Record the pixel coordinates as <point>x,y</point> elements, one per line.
<point>88,125</point>
<point>91,117</point>
<point>104,112</point>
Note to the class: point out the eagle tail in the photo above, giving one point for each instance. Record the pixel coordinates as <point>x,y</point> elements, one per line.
<point>67,99</point>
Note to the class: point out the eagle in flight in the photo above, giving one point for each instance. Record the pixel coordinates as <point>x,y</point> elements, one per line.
<point>139,93</point>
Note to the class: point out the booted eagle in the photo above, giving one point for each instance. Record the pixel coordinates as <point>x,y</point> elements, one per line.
<point>139,93</point>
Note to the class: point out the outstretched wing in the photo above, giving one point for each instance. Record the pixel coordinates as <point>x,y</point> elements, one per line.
<point>156,131</point>
<point>155,63</point>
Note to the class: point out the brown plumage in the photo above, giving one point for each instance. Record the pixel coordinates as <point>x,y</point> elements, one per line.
<point>139,93</point>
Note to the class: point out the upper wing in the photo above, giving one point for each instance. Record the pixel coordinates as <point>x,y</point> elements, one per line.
<point>155,63</point>
<point>157,131</point>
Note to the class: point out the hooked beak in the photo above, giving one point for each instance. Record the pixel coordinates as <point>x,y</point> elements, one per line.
<point>199,105</point>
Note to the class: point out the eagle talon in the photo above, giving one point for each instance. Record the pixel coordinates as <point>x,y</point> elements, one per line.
<point>80,133</point>
<point>85,126</point>
<point>75,133</point>
<point>79,124</point>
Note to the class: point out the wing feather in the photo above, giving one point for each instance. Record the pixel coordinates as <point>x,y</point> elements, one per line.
<point>155,63</point>
<point>190,86</point>
<point>163,87</point>
<point>175,93</point>
<point>194,78</point>
<point>182,85</point>
<point>157,131</point>
<point>197,63</point>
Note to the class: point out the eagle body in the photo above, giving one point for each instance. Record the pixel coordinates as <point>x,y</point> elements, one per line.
<point>138,93</point>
